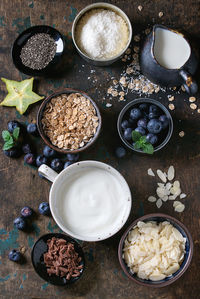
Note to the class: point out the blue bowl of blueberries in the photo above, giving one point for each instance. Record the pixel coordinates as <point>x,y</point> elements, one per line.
<point>145,125</point>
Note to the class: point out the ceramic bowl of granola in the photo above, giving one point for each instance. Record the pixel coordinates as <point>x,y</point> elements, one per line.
<point>69,121</point>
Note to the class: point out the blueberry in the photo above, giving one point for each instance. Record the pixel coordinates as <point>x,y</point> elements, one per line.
<point>29,159</point>
<point>143,107</point>
<point>120,152</point>
<point>26,212</point>
<point>154,126</point>
<point>73,157</point>
<point>26,148</point>
<point>14,255</point>
<point>56,164</point>
<point>12,125</point>
<point>131,122</point>
<point>142,123</point>
<point>41,160</point>
<point>20,223</point>
<point>44,208</point>
<point>152,138</point>
<point>68,163</point>
<point>154,108</point>
<point>125,124</point>
<point>164,120</point>
<point>14,152</point>
<point>48,152</point>
<point>128,134</point>
<point>140,130</point>
<point>32,129</point>
<point>135,113</point>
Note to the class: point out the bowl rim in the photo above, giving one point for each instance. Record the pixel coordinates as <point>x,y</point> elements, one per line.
<point>140,101</point>
<point>106,6</point>
<point>40,113</point>
<point>106,167</point>
<point>70,239</point>
<point>27,70</point>
<point>145,218</point>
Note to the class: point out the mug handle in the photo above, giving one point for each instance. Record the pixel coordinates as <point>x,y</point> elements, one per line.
<point>190,85</point>
<point>47,172</point>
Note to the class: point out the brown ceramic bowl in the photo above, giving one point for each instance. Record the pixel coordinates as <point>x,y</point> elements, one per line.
<point>40,114</point>
<point>158,217</point>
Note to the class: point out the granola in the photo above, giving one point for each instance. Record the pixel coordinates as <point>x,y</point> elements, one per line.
<point>70,121</point>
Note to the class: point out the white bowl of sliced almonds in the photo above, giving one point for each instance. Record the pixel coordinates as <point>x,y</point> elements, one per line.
<point>155,250</point>
<point>69,121</point>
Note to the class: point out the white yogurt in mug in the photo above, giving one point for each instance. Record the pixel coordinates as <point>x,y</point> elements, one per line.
<point>91,202</point>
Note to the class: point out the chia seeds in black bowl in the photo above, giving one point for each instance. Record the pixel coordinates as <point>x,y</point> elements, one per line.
<point>145,125</point>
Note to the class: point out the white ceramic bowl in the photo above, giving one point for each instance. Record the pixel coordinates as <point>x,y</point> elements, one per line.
<point>56,199</point>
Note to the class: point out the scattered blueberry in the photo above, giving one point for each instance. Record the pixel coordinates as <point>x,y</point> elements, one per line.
<point>26,212</point>
<point>143,107</point>
<point>128,134</point>
<point>26,148</point>
<point>135,113</point>
<point>164,120</point>
<point>32,129</point>
<point>44,208</point>
<point>12,125</point>
<point>48,152</point>
<point>154,126</point>
<point>68,163</point>
<point>14,255</point>
<point>154,108</point>
<point>142,123</point>
<point>20,223</point>
<point>140,130</point>
<point>125,124</point>
<point>14,152</point>
<point>29,159</point>
<point>56,164</point>
<point>152,138</point>
<point>120,152</point>
<point>41,160</point>
<point>73,157</point>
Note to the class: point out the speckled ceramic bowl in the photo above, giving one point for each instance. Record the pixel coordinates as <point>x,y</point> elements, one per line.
<point>158,217</point>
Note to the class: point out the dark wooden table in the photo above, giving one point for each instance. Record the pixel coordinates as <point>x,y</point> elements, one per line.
<point>20,185</point>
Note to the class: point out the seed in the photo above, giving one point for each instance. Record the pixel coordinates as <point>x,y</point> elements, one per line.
<point>171,98</point>
<point>181,133</point>
<point>160,14</point>
<point>171,106</point>
<point>140,7</point>
<point>193,106</point>
<point>115,93</point>
<point>192,99</point>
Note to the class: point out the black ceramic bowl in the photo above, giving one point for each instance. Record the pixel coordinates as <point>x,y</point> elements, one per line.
<point>164,136</point>
<point>23,38</point>
<point>40,247</point>
<point>183,267</point>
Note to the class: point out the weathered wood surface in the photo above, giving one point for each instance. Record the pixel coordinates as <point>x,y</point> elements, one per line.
<point>21,185</point>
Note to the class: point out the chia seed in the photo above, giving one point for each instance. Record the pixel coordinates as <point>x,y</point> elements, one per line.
<point>39,50</point>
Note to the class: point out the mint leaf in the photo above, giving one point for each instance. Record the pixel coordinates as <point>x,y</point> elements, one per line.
<point>6,135</point>
<point>148,148</point>
<point>7,146</point>
<point>143,139</point>
<point>16,133</point>
<point>136,136</point>
<point>137,145</point>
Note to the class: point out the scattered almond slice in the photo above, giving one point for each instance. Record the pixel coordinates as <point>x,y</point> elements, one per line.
<point>179,208</point>
<point>171,173</point>
<point>160,192</point>
<point>159,203</point>
<point>151,199</point>
<point>161,185</point>
<point>176,184</point>
<point>164,198</point>
<point>150,172</point>
<point>176,203</point>
<point>162,176</point>
<point>175,191</point>
<point>172,197</point>
<point>183,195</point>
<point>168,186</point>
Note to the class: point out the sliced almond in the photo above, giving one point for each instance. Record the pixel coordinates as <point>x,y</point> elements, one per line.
<point>150,172</point>
<point>171,173</point>
<point>151,198</point>
<point>159,203</point>
<point>161,185</point>
<point>162,176</point>
<point>160,192</point>
<point>176,184</point>
<point>172,197</point>
<point>176,203</point>
<point>179,208</point>
<point>165,198</point>
<point>183,195</point>
<point>168,186</point>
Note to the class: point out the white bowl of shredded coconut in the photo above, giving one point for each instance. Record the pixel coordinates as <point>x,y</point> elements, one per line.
<point>101,33</point>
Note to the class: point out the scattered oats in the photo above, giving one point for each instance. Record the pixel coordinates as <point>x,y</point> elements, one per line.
<point>131,85</point>
<point>140,7</point>
<point>108,105</point>
<point>179,208</point>
<point>157,89</point>
<point>136,49</point>
<point>121,93</point>
<point>174,88</point>
<point>176,203</point>
<point>183,195</point>
<point>161,175</point>
<point>181,133</point>
<point>171,98</point>
<point>159,203</point>
<point>147,31</point>
<point>183,88</point>
<point>168,186</point>
<point>23,249</point>
<point>192,99</point>
<point>145,89</point>
<point>171,106</point>
<point>110,90</point>
<point>161,185</point>
<point>136,38</point>
<point>114,93</point>
<point>151,199</point>
<point>150,172</point>
<point>176,184</point>
<point>172,197</point>
<point>171,173</point>
<point>128,51</point>
<point>160,14</point>
<point>115,82</point>
<point>123,59</point>
<point>198,110</point>
<point>122,80</point>
<point>164,198</point>
<point>121,98</point>
<point>193,106</point>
